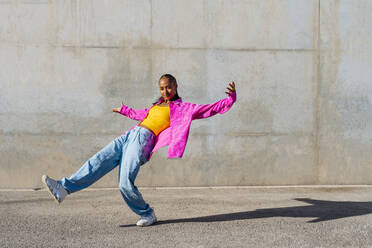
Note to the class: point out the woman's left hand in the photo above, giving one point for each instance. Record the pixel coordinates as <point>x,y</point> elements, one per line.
<point>231,88</point>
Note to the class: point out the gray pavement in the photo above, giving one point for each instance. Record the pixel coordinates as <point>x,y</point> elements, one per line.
<point>191,217</point>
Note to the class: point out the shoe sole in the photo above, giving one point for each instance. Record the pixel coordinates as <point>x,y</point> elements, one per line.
<point>43,179</point>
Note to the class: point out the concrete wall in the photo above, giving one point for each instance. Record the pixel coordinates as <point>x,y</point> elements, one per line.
<point>302,69</point>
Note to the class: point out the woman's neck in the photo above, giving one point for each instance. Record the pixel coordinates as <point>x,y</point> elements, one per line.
<point>164,104</point>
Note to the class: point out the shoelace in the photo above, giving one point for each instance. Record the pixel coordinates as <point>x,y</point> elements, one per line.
<point>54,189</point>
<point>58,190</point>
<point>147,218</point>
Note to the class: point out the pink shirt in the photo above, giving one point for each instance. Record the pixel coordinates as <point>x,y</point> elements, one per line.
<point>181,115</point>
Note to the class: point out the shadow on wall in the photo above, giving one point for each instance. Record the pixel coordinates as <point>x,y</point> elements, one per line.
<point>321,210</point>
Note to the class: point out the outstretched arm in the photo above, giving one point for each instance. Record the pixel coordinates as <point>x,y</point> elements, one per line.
<point>204,111</point>
<point>134,114</point>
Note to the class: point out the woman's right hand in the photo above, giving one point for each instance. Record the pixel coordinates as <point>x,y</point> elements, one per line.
<point>117,110</point>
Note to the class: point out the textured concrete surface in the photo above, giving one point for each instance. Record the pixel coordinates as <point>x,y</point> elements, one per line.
<point>198,217</point>
<point>345,127</point>
<point>303,114</point>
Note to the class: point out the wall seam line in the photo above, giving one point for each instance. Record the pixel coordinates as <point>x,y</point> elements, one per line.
<point>317,117</point>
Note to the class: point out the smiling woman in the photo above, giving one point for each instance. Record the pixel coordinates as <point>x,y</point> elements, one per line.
<point>168,88</point>
<point>166,123</point>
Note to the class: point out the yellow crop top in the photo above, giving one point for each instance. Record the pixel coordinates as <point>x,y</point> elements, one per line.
<point>158,119</point>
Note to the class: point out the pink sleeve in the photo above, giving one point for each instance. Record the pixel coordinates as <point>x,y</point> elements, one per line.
<point>204,111</point>
<point>134,114</point>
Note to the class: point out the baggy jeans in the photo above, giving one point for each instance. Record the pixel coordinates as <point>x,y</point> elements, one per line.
<point>129,151</point>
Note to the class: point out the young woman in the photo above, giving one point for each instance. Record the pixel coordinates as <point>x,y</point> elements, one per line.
<point>165,123</point>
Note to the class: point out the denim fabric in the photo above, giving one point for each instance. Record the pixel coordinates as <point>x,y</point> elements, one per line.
<point>129,151</point>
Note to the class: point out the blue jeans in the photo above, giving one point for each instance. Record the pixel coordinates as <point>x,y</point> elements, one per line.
<point>130,151</point>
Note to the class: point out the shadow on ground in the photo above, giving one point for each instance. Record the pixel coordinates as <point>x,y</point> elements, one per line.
<point>319,209</point>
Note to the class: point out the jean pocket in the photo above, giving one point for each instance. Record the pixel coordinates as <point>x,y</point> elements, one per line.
<point>143,139</point>
<point>147,143</point>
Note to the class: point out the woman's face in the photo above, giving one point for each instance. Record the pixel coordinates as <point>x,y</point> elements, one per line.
<point>167,89</point>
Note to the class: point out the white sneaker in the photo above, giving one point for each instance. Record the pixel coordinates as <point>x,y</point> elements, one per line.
<point>56,189</point>
<point>148,220</point>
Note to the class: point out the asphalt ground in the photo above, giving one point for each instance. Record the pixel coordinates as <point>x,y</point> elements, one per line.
<point>191,217</point>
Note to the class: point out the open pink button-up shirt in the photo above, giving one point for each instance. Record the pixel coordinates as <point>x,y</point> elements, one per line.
<point>181,115</point>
